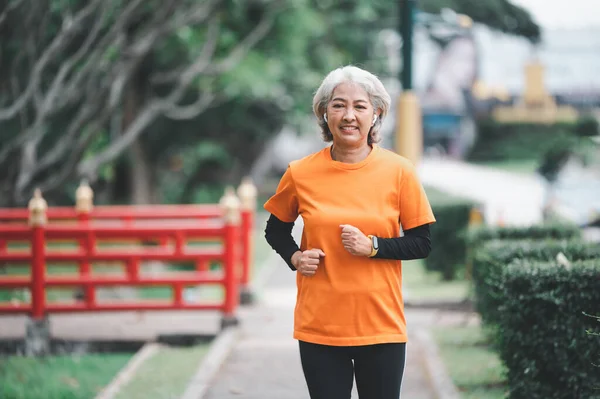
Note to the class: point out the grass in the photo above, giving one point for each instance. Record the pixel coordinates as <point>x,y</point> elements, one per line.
<point>525,166</point>
<point>474,368</point>
<point>165,375</point>
<point>419,284</point>
<point>58,377</point>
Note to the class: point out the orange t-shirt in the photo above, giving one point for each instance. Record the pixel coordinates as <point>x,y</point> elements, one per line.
<point>351,300</point>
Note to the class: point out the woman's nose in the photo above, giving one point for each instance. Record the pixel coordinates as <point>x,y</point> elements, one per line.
<point>349,115</point>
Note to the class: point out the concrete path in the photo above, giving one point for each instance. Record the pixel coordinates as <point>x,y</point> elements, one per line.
<point>508,198</point>
<point>265,363</point>
<point>121,326</point>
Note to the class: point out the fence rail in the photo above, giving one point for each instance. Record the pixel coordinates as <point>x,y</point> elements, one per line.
<point>224,230</point>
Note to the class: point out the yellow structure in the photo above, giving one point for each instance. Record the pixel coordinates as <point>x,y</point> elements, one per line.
<point>536,106</point>
<point>535,92</point>
<point>409,127</point>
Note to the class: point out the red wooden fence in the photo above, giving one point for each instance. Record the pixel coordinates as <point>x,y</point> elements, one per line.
<point>173,226</point>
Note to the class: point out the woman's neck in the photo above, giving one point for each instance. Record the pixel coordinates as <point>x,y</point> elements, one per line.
<point>350,155</point>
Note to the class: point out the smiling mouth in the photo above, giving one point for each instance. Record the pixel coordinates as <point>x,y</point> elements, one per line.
<point>348,129</point>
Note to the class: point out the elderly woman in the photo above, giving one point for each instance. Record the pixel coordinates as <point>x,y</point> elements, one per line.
<point>354,198</point>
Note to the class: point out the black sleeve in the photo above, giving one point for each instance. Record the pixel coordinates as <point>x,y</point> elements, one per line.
<point>279,236</point>
<point>416,244</point>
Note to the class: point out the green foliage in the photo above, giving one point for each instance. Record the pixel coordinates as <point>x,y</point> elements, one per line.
<point>184,180</point>
<point>556,156</point>
<point>449,248</point>
<point>203,154</point>
<point>543,323</point>
<point>478,235</point>
<point>493,257</point>
<point>549,146</point>
<point>587,127</point>
<point>501,15</point>
<point>58,377</point>
<point>518,141</point>
<point>276,76</point>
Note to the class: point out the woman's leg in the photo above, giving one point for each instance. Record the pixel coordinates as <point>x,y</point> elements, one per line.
<point>379,369</point>
<point>327,370</point>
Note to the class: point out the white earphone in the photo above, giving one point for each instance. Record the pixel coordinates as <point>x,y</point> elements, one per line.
<point>325,116</point>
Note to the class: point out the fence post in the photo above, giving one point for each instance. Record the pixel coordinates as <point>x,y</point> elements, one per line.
<point>247,194</point>
<point>37,336</point>
<point>84,203</point>
<point>230,205</point>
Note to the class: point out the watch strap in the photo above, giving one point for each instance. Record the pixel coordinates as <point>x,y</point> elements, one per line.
<point>374,250</point>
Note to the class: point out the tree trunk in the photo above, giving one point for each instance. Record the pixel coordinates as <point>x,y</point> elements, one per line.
<point>140,169</point>
<point>141,176</point>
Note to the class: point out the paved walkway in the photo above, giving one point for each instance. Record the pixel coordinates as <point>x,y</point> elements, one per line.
<point>265,364</point>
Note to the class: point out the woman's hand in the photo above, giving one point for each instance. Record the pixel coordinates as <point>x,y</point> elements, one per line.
<point>355,241</point>
<point>307,262</point>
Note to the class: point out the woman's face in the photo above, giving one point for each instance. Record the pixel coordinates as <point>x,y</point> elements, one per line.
<point>350,115</point>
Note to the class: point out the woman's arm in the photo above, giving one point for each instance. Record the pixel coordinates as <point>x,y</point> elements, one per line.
<point>415,244</point>
<point>279,236</point>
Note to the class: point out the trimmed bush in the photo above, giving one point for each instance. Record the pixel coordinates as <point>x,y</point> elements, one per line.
<point>491,260</point>
<point>518,141</point>
<point>478,235</point>
<point>587,127</point>
<point>448,233</point>
<point>543,323</point>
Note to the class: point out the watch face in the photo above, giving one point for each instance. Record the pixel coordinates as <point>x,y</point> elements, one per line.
<point>375,243</point>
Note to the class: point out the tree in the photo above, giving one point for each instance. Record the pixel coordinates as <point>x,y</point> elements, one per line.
<point>72,65</point>
<point>501,15</point>
<point>85,80</point>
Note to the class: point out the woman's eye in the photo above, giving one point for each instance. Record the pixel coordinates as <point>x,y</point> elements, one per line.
<point>337,105</point>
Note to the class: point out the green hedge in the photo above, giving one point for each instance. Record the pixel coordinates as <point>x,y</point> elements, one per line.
<point>543,324</point>
<point>520,141</point>
<point>491,260</point>
<point>478,235</point>
<point>448,233</point>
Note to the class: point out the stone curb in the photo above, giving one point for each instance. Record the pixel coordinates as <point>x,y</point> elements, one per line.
<point>211,363</point>
<point>441,383</point>
<point>127,372</point>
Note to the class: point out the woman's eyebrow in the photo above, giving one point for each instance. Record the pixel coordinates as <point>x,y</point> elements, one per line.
<point>344,100</point>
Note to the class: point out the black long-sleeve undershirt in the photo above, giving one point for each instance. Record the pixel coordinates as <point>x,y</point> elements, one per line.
<point>415,244</point>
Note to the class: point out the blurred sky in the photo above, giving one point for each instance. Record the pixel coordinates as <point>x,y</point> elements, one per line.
<point>563,13</point>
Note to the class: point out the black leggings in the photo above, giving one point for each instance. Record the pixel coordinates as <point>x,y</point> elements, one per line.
<point>329,370</point>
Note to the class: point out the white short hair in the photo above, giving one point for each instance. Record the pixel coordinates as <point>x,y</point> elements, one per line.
<point>380,98</point>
